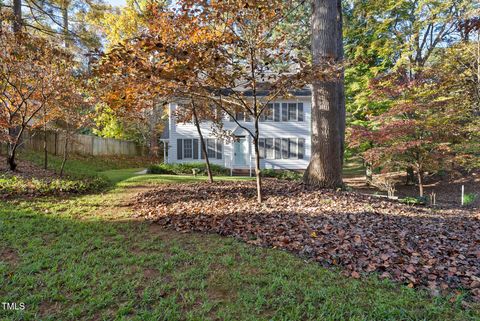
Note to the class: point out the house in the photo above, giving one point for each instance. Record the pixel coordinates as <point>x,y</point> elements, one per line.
<point>284,137</point>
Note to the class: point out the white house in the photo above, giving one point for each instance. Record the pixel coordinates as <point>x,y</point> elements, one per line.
<point>284,138</point>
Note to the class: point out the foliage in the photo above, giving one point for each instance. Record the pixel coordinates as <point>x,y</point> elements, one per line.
<point>469,198</point>
<point>419,200</point>
<point>130,269</point>
<point>282,174</point>
<point>187,169</point>
<point>221,53</point>
<point>359,233</point>
<point>18,186</point>
<point>35,75</point>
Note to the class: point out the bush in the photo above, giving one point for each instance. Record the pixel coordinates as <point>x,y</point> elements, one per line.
<point>187,169</point>
<point>469,198</point>
<point>15,185</point>
<point>282,174</point>
<point>419,200</point>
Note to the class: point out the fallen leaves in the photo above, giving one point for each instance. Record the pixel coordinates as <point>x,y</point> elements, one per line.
<point>434,248</point>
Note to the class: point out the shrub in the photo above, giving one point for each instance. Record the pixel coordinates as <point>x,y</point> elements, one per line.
<point>187,169</point>
<point>15,185</point>
<point>419,200</point>
<point>469,198</point>
<point>282,174</point>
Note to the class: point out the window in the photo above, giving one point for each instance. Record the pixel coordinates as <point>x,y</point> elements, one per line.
<point>284,112</point>
<point>269,148</point>
<point>300,111</point>
<point>276,113</point>
<point>261,147</point>
<point>293,148</point>
<point>240,116</point>
<point>187,148</point>
<point>292,112</point>
<point>301,148</point>
<point>278,143</point>
<point>211,152</point>
<point>285,148</point>
<point>269,112</point>
<point>281,148</point>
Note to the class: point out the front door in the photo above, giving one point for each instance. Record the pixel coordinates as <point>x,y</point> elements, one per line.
<point>240,150</point>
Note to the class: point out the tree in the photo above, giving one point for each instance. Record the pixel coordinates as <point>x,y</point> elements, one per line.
<point>423,128</point>
<point>32,72</point>
<point>328,116</point>
<point>228,54</point>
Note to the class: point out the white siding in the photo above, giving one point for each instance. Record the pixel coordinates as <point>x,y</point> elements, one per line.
<point>270,129</point>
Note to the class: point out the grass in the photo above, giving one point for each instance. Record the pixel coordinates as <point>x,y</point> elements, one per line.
<point>83,258</point>
<point>81,166</point>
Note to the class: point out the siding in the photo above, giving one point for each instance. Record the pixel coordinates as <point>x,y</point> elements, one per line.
<point>287,129</point>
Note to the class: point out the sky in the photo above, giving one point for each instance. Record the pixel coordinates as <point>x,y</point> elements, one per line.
<point>116,2</point>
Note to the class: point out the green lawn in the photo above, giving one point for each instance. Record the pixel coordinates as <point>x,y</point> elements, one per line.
<point>82,258</point>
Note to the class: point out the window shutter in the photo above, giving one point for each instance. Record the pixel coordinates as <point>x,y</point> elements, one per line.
<point>219,149</point>
<point>284,112</point>
<point>195,148</point>
<point>276,113</point>
<point>179,149</point>
<point>278,143</point>
<point>300,112</point>
<point>301,148</point>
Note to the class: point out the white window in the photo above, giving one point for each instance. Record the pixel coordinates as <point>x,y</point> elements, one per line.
<point>187,148</point>
<point>211,151</point>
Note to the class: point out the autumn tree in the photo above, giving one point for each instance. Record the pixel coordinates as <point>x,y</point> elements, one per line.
<point>229,54</point>
<point>32,73</point>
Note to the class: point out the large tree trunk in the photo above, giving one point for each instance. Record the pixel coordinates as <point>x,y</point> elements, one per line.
<point>325,168</point>
<point>17,13</point>
<point>202,143</point>
<point>341,88</point>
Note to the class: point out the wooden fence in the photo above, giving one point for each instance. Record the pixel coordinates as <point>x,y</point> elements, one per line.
<point>82,144</point>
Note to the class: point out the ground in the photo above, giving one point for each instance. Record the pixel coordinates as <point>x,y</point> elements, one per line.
<point>87,258</point>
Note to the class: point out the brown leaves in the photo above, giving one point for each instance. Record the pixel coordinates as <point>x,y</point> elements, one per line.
<point>417,246</point>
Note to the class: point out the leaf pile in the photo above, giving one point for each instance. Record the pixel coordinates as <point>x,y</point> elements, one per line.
<point>436,248</point>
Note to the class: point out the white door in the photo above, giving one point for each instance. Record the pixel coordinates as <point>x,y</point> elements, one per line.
<point>240,150</point>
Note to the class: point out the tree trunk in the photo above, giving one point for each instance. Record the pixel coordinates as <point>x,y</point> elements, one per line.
<point>65,154</point>
<point>325,168</point>
<point>368,173</point>
<point>258,173</point>
<point>202,143</point>
<point>410,176</point>
<point>341,87</point>
<point>17,13</point>
<point>45,143</point>
<point>420,182</point>
<point>65,23</point>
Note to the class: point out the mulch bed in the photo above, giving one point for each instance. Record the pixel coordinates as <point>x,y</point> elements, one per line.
<point>434,248</point>
<point>27,170</point>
